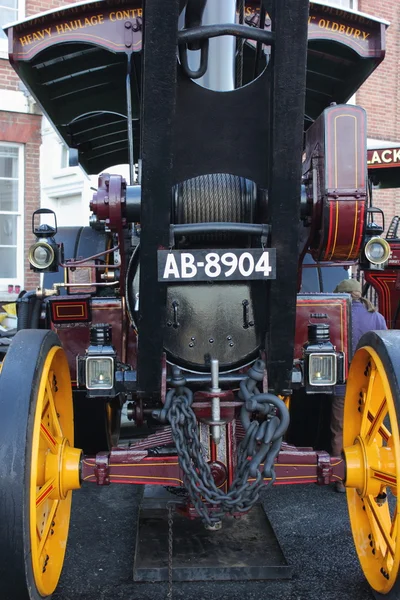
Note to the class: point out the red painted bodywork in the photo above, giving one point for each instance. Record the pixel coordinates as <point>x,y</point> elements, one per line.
<point>134,466</point>
<point>75,336</point>
<point>339,193</point>
<point>335,309</point>
<point>387,285</point>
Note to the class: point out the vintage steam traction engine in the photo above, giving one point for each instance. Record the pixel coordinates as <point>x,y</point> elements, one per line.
<point>178,311</point>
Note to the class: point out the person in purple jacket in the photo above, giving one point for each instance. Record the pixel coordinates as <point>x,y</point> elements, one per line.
<point>364,317</point>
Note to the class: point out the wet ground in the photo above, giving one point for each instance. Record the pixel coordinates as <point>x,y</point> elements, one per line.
<point>311,523</point>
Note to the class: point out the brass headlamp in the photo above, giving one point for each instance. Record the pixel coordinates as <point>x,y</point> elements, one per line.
<point>43,254</point>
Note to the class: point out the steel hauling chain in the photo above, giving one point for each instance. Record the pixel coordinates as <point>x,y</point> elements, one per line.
<point>261,444</point>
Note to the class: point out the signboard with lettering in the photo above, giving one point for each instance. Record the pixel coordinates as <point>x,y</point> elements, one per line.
<point>362,34</point>
<point>120,29</point>
<point>383,158</point>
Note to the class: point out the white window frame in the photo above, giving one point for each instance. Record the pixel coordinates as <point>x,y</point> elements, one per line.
<point>4,41</point>
<point>351,4</point>
<point>19,279</point>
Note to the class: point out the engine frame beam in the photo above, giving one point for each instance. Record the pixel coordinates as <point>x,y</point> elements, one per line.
<point>158,110</point>
<point>284,193</point>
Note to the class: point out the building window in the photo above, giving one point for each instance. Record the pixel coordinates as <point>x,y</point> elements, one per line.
<point>11,214</point>
<point>342,3</point>
<point>64,158</point>
<point>10,11</point>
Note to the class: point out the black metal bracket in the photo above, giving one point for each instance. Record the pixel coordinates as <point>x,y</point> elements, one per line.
<point>205,32</point>
<point>194,16</point>
<point>198,38</point>
<point>261,230</point>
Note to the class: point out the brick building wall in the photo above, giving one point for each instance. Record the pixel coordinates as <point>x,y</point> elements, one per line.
<point>25,129</point>
<point>380,95</point>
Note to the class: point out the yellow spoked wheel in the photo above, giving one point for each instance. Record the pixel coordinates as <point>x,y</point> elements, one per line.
<point>39,467</point>
<point>372,451</point>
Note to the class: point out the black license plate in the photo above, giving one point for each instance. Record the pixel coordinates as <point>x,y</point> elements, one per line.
<point>220,265</point>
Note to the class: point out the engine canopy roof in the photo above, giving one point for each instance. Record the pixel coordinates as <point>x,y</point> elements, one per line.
<point>73,60</point>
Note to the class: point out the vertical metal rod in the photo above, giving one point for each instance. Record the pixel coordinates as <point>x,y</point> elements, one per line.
<point>257,59</point>
<point>129,118</point>
<point>220,74</point>
<point>215,403</point>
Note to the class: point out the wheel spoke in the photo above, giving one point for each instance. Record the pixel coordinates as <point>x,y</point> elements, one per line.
<point>48,526</point>
<point>377,422</point>
<point>387,477</point>
<point>52,406</point>
<point>378,519</point>
<point>48,437</point>
<point>44,492</point>
<point>368,401</point>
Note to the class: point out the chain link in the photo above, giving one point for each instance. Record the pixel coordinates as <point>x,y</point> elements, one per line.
<point>261,444</point>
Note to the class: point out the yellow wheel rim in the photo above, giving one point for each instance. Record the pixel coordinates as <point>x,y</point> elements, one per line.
<point>372,452</point>
<point>54,471</point>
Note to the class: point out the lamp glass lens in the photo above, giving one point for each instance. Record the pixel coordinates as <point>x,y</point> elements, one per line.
<point>42,256</point>
<point>99,373</point>
<point>376,251</point>
<point>322,369</point>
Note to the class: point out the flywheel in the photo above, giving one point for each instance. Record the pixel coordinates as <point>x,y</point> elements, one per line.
<point>39,465</point>
<point>372,452</point>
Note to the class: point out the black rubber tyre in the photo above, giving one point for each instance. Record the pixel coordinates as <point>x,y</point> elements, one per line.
<point>372,450</point>
<point>19,389</point>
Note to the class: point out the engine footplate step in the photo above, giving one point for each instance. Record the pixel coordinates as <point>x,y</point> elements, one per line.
<point>243,549</point>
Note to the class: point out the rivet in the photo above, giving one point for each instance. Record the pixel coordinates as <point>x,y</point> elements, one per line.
<point>191,345</point>
<point>211,340</point>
